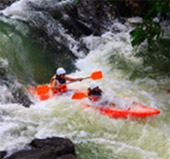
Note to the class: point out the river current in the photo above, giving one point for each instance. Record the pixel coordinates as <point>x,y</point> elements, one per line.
<point>95,136</point>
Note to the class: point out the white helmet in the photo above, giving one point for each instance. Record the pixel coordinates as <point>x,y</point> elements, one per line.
<point>60,71</point>
<point>94,85</point>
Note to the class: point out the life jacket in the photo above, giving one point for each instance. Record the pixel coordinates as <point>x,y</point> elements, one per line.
<point>59,88</point>
<point>94,95</point>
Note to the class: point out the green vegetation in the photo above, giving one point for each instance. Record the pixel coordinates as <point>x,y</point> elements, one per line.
<point>151,30</point>
<point>156,55</point>
<point>148,30</point>
<point>157,51</point>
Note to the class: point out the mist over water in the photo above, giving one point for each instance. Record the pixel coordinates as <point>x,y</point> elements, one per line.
<point>95,136</point>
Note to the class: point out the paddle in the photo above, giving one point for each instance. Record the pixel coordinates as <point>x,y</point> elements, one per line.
<point>95,75</point>
<point>79,96</point>
<point>45,88</point>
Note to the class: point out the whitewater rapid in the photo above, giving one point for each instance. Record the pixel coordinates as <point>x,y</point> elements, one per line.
<point>98,135</point>
<point>94,135</point>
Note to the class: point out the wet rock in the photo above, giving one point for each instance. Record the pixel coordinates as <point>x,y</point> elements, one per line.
<point>20,97</point>
<point>78,19</point>
<point>3,74</point>
<point>2,154</point>
<point>50,148</point>
<point>63,24</point>
<point>85,17</point>
<point>62,146</point>
<point>17,93</point>
<point>6,3</point>
<point>131,8</point>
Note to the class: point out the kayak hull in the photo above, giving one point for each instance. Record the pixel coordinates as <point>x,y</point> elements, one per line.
<point>41,96</point>
<point>137,110</point>
<point>43,92</point>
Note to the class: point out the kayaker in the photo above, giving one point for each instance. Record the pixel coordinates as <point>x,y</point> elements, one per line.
<point>58,81</point>
<point>94,92</point>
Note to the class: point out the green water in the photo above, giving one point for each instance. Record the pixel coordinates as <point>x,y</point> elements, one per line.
<point>27,58</point>
<point>131,139</point>
<point>95,136</point>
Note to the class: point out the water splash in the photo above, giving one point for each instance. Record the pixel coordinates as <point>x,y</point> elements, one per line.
<point>96,136</point>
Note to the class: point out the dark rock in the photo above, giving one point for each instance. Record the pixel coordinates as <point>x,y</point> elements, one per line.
<point>69,156</point>
<point>18,94</point>
<point>77,18</point>
<point>20,97</point>
<point>50,148</point>
<point>2,154</point>
<point>62,146</point>
<point>3,75</point>
<point>84,18</point>
<point>34,154</point>
<point>6,3</point>
<point>131,8</point>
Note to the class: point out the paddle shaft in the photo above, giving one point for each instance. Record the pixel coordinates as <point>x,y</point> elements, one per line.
<point>71,82</point>
<point>94,76</point>
<point>76,81</point>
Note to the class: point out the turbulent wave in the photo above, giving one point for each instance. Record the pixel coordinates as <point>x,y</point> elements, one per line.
<point>95,136</point>
<point>56,20</point>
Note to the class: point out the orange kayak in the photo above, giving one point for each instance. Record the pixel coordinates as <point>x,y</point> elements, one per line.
<point>42,95</point>
<point>43,92</point>
<point>136,110</point>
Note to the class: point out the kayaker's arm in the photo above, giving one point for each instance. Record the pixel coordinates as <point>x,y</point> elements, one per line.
<point>53,82</point>
<point>73,79</point>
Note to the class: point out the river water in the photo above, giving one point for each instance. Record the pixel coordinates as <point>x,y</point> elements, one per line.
<point>95,136</point>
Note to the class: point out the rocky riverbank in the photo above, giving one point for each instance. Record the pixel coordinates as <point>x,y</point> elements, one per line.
<point>50,148</point>
<point>70,21</point>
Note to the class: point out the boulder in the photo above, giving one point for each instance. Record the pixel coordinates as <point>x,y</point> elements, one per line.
<point>2,154</point>
<point>50,148</point>
<point>6,3</point>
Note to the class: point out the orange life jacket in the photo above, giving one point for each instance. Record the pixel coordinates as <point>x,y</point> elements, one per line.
<point>60,88</point>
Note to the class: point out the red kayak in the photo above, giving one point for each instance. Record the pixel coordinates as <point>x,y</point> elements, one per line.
<point>42,95</point>
<point>43,92</point>
<point>136,110</point>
